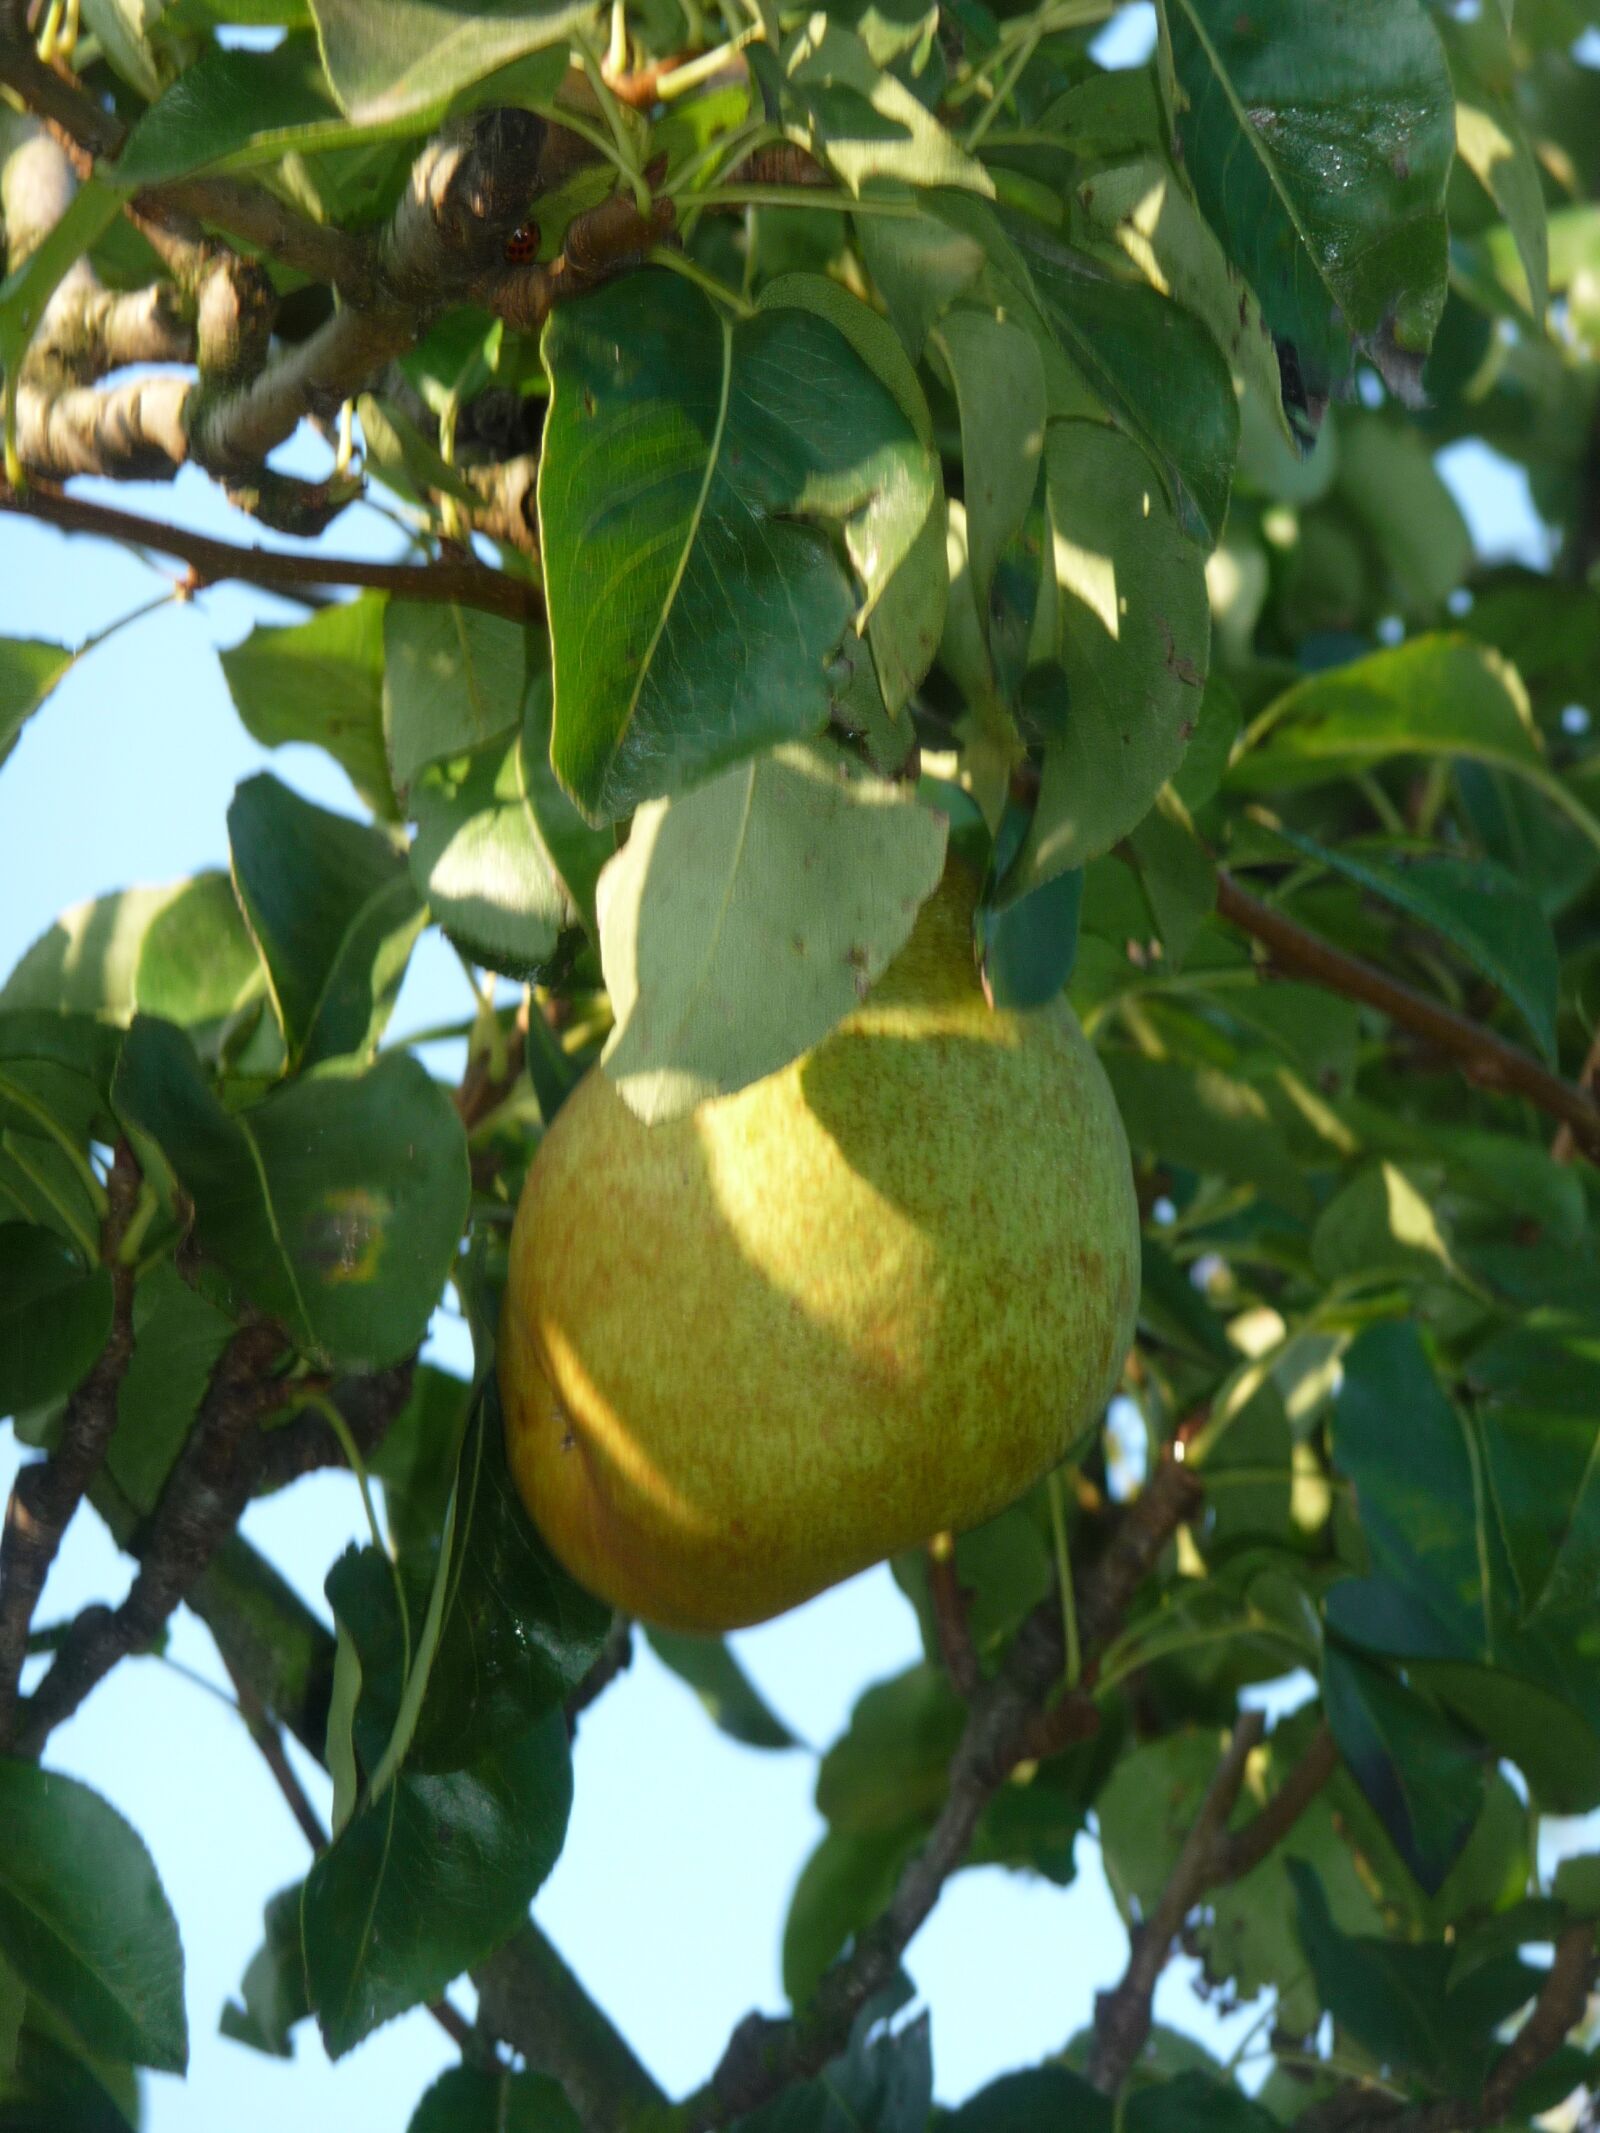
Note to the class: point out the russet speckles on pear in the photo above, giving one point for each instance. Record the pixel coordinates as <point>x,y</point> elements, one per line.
<point>874,1296</point>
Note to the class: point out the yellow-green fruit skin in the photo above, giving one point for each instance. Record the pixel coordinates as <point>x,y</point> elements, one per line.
<point>751,1350</point>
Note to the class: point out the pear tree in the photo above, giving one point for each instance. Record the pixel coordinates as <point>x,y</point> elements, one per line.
<point>736,495</point>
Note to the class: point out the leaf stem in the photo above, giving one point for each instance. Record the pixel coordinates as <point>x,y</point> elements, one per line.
<point>1069,1602</point>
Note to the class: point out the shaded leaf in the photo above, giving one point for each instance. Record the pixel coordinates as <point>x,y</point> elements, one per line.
<point>481,863</point>
<point>742,920</point>
<point>1318,145</point>
<point>1024,2102</point>
<point>1422,1776</point>
<point>732,1701</point>
<point>429,1878</point>
<point>333,912</point>
<point>866,123</point>
<point>1134,641</point>
<point>517,1635</point>
<point>178,1337</point>
<point>320,681</point>
<point>453,678</point>
<point>402,59</point>
<point>55,1315</point>
<point>1483,911</point>
<point>692,604</point>
<point>335,1205</point>
<point>1000,391</point>
<point>85,1922</point>
<point>464,2099</point>
<point>272,1993</point>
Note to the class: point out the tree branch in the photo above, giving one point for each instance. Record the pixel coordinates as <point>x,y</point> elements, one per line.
<point>528,1996</point>
<point>764,2056</point>
<point>201,1499</point>
<point>1484,1058</point>
<point>213,562</point>
<point>1122,2016</point>
<point>1557,2011</point>
<point>1241,1851</point>
<point>47,1491</point>
<point>950,1616</point>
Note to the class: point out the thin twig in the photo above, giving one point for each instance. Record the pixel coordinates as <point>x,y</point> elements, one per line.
<point>1485,1059</point>
<point>1122,2016</point>
<point>950,1616</point>
<point>616,1656</point>
<point>213,562</point>
<point>1565,1146</point>
<point>1241,1851</point>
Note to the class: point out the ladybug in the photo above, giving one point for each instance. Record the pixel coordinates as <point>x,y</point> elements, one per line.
<point>523,243</point>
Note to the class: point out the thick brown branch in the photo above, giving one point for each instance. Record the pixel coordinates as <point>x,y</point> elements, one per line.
<point>213,562</point>
<point>307,1443</point>
<point>267,224</point>
<point>1486,1059</point>
<point>47,1492</point>
<point>199,1506</point>
<point>56,97</point>
<point>1122,2016</point>
<point>764,2056</point>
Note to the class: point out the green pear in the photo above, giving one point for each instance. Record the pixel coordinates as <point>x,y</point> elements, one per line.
<point>873,1297</point>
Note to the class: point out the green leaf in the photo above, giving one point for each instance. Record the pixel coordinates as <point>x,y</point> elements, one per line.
<point>197,963</point>
<point>178,1337</point>
<point>58,2088</point>
<point>882,2082</point>
<point>481,862</point>
<point>1153,365</point>
<point>1423,1776</point>
<point>1143,209</point>
<point>1207,1120</point>
<point>84,1920</point>
<point>1379,1227</point>
<point>429,1878</point>
<point>55,1316</point>
<point>1192,2103</point>
<point>87,961</point>
<point>1484,912</point>
<point>1437,695</point>
<point>417,1458</point>
<point>891,1766</point>
<point>1024,2103</point>
<point>1387,477</point>
<point>1536,1405</point>
<point>1493,143</point>
<point>233,108</point>
<point>1395,1999</point>
<point>320,681</point>
<point>333,912</point>
<point>1134,623</point>
<point>272,1993</point>
<point>29,670</point>
<point>1318,145</point>
<point>692,605</point>
<point>466,2100</point>
<point>400,60</point>
<point>517,1635</point>
<point>1177,874</point>
<point>998,376</point>
<point>1029,947</point>
<point>842,1887</point>
<point>732,1702</point>
<point>742,920</point>
<point>453,678</point>
<point>867,124</point>
<point>335,1205</point>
